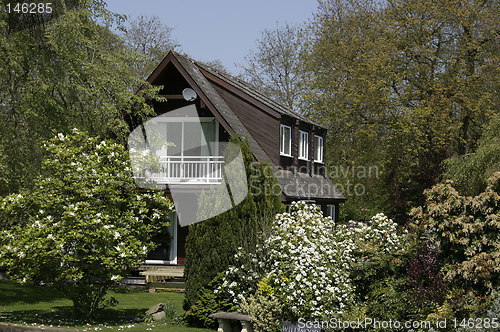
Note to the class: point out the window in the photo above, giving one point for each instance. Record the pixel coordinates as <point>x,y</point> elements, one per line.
<point>318,149</point>
<point>286,140</point>
<point>187,136</point>
<point>303,145</point>
<point>330,211</point>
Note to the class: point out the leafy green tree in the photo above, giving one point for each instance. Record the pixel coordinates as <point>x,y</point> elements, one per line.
<point>58,71</point>
<point>470,172</point>
<point>212,244</point>
<point>84,225</point>
<point>402,85</point>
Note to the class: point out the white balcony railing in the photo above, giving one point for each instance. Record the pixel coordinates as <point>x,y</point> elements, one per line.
<point>189,170</point>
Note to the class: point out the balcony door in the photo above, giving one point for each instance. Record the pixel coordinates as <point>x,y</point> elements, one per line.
<point>166,251</point>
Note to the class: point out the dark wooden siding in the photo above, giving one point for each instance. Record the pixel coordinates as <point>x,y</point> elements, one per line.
<point>263,127</point>
<point>181,244</point>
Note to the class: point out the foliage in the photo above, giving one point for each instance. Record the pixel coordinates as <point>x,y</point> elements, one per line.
<point>491,310</point>
<point>212,244</point>
<point>208,302</point>
<point>266,312</point>
<point>425,278</point>
<point>378,273</point>
<point>380,234</point>
<point>466,231</point>
<point>276,67</point>
<point>58,71</point>
<point>83,226</point>
<point>470,173</point>
<point>305,261</point>
<point>401,85</point>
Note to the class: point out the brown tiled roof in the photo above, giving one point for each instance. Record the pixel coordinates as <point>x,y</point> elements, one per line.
<point>256,94</point>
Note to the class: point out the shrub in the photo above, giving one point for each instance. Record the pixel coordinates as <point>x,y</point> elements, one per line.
<point>379,235</point>
<point>306,262</point>
<point>378,271</point>
<point>466,231</point>
<point>208,302</point>
<point>84,225</point>
<point>266,312</point>
<point>425,278</point>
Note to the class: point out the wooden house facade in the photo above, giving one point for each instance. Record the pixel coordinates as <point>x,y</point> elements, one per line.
<point>292,143</point>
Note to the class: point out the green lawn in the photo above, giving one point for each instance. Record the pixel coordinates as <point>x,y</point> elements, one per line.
<point>38,305</point>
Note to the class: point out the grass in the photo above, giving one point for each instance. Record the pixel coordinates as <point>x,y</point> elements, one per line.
<point>41,305</point>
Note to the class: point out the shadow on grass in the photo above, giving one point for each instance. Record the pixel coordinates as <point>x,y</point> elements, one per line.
<point>12,292</point>
<point>65,316</point>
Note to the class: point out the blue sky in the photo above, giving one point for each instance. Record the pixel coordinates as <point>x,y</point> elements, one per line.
<point>218,29</point>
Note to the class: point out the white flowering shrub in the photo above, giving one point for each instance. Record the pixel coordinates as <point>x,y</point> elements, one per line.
<point>305,261</point>
<point>381,233</point>
<point>84,224</point>
<point>379,270</point>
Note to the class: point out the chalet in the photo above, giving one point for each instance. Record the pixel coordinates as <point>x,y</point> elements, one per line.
<point>292,143</point>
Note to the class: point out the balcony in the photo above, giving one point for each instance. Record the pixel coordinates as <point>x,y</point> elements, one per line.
<point>194,170</point>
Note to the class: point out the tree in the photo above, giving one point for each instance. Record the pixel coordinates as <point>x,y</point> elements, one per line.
<point>151,40</point>
<point>62,70</point>
<point>275,67</point>
<point>470,172</point>
<point>83,226</point>
<point>402,85</point>
<point>212,244</point>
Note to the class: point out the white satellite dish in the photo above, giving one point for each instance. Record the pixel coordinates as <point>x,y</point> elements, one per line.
<point>189,94</point>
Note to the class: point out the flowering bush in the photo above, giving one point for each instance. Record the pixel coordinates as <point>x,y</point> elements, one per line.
<point>84,224</point>
<point>305,261</point>
<point>379,272</point>
<point>466,233</point>
<point>380,233</point>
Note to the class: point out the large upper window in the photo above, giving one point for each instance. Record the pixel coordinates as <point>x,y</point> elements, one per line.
<point>286,140</point>
<point>303,145</point>
<point>318,148</point>
<point>186,136</point>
